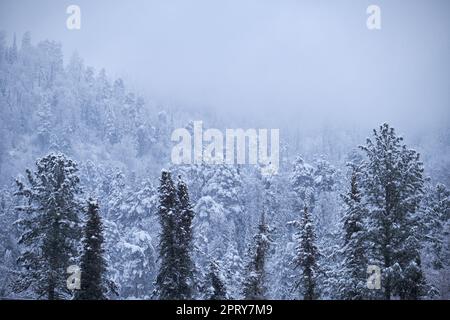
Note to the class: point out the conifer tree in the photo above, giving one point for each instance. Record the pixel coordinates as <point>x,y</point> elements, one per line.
<point>306,258</point>
<point>216,289</point>
<point>13,53</point>
<point>166,281</point>
<point>184,215</point>
<point>93,264</point>
<point>44,115</point>
<point>233,267</point>
<point>8,247</point>
<point>176,273</point>
<point>436,227</point>
<point>352,280</point>
<point>393,187</point>
<point>3,48</point>
<point>49,222</point>
<point>436,222</point>
<point>254,286</point>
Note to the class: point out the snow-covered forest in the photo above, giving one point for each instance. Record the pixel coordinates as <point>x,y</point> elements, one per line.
<point>86,180</point>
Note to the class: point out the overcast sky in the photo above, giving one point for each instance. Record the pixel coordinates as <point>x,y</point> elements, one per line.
<point>297,61</point>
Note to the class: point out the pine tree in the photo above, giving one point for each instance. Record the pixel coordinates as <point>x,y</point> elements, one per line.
<point>50,226</point>
<point>352,280</point>
<point>393,187</point>
<point>306,258</point>
<point>254,286</point>
<point>93,264</point>
<point>216,289</point>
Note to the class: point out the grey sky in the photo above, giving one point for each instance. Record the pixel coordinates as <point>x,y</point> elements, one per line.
<point>303,62</point>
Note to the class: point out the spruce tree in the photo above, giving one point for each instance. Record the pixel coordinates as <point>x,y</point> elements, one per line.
<point>307,256</point>
<point>436,227</point>
<point>216,289</point>
<point>50,227</point>
<point>166,281</point>
<point>185,265</point>
<point>8,247</point>
<point>393,187</point>
<point>233,267</point>
<point>352,280</point>
<point>93,264</point>
<point>176,273</point>
<point>254,286</point>
<point>436,224</point>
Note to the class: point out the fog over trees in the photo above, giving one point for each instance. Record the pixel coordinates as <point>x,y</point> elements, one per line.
<point>86,179</point>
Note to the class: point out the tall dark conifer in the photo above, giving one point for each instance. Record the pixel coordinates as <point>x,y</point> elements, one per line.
<point>175,279</point>
<point>254,286</point>
<point>93,264</point>
<point>216,289</point>
<point>185,265</point>
<point>167,279</point>
<point>307,256</point>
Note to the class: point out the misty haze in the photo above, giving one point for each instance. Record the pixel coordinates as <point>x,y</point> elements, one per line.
<point>350,203</point>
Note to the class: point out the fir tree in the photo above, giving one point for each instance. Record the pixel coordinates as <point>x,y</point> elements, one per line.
<point>254,286</point>
<point>166,281</point>
<point>306,258</point>
<point>393,187</point>
<point>112,131</point>
<point>436,227</point>
<point>8,247</point>
<point>175,279</point>
<point>50,226</point>
<point>352,280</point>
<point>436,222</point>
<point>303,184</point>
<point>216,289</point>
<point>138,252</point>
<point>93,264</point>
<point>184,216</point>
